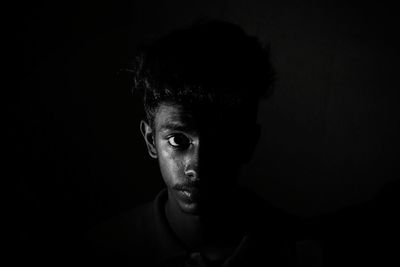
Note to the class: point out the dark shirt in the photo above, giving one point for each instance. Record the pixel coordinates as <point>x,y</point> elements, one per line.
<point>143,237</point>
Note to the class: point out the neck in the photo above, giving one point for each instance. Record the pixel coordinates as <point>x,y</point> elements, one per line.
<point>188,227</point>
<point>197,231</point>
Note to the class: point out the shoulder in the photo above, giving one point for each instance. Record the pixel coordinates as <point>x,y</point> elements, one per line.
<point>123,230</point>
<point>272,233</point>
<point>267,218</point>
<point>122,240</point>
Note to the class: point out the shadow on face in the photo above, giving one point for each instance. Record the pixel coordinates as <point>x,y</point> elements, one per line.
<point>200,152</point>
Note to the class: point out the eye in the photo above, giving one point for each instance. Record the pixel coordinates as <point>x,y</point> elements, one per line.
<point>179,141</point>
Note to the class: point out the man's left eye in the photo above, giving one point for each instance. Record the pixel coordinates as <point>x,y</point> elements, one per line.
<point>179,141</point>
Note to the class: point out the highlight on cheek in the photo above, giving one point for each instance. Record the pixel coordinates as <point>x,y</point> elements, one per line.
<point>165,153</point>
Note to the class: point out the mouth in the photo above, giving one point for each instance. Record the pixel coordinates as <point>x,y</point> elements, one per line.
<point>189,194</point>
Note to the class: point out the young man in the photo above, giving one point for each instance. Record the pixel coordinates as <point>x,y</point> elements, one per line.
<point>200,87</point>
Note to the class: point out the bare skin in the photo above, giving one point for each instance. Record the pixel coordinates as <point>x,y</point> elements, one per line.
<point>194,167</point>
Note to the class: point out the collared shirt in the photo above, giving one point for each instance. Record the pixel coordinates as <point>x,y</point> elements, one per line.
<point>143,237</point>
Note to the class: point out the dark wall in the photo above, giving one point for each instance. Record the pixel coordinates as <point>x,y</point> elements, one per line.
<point>329,132</point>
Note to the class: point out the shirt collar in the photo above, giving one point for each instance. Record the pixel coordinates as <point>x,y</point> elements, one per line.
<point>168,246</point>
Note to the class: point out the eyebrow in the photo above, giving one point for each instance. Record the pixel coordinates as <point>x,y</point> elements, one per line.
<point>175,127</point>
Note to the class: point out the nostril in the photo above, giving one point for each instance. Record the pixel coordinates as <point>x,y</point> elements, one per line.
<point>191,174</point>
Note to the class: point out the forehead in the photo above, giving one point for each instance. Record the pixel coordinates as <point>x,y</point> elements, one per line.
<point>169,115</point>
<point>176,116</point>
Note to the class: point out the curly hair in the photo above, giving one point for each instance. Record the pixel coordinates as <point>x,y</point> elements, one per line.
<point>213,62</point>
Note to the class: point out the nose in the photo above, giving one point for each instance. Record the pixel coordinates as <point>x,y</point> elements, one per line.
<point>192,169</point>
<point>191,174</point>
<point>192,165</point>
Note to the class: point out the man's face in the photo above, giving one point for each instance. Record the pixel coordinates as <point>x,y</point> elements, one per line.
<point>197,156</point>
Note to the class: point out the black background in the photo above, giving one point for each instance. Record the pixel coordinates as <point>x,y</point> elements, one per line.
<point>330,131</point>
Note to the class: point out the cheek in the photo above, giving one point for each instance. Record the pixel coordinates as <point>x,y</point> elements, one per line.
<point>171,165</point>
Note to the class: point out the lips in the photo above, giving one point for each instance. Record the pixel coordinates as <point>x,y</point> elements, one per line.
<point>189,194</point>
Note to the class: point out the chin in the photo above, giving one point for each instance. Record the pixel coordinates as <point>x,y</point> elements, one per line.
<point>190,208</point>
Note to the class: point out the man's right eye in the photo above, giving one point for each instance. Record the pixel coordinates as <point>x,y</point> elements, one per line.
<point>179,141</point>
